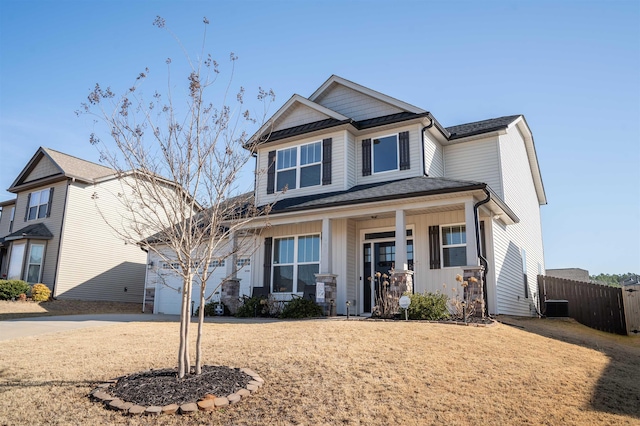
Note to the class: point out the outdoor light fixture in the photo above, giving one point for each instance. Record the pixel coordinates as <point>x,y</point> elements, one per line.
<point>150,265</point>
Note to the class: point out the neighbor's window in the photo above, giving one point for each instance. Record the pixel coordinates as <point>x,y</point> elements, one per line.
<point>454,245</point>
<point>38,204</point>
<point>34,268</point>
<point>295,261</point>
<point>299,167</point>
<point>385,154</point>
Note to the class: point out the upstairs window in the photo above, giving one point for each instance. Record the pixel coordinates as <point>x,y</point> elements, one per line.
<point>299,167</point>
<point>39,204</point>
<point>385,154</point>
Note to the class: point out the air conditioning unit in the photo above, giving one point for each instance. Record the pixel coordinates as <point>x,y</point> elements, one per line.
<point>556,308</point>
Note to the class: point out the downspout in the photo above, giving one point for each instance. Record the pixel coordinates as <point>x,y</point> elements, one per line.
<point>424,167</point>
<point>483,261</point>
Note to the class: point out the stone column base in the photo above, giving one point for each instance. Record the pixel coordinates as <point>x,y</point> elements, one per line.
<point>230,295</point>
<point>330,293</point>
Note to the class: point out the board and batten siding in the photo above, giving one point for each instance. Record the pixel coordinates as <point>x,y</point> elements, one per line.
<point>520,196</point>
<point>297,116</point>
<point>433,156</point>
<point>53,223</point>
<point>476,160</point>
<point>44,168</point>
<point>354,104</point>
<point>415,153</point>
<point>337,170</point>
<point>95,264</point>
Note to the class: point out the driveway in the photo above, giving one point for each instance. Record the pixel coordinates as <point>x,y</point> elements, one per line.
<point>13,329</point>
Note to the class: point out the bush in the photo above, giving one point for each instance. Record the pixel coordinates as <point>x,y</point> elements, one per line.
<point>210,309</point>
<point>253,306</point>
<point>301,308</point>
<point>40,293</point>
<point>11,289</point>
<point>427,306</point>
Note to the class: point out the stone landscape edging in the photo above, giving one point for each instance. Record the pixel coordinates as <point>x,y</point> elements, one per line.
<point>206,403</point>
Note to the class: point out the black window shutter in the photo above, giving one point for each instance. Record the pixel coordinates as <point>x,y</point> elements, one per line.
<point>405,163</point>
<point>326,161</point>
<point>268,243</point>
<point>50,201</point>
<point>26,213</point>
<point>434,247</point>
<point>271,173</point>
<point>366,157</point>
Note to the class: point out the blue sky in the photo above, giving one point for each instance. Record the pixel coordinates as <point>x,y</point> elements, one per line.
<point>572,68</point>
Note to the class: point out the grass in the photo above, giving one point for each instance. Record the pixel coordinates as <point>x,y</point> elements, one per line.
<point>17,309</point>
<point>347,373</point>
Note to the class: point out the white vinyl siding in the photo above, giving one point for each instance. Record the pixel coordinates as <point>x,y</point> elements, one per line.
<point>337,170</point>
<point>298,116</point>
<point>95,264</point>
<point>415,154</point>
<point>475,161</point>
<point>350,160</point>
<point>510,241</point>
<point>433,156</point>
<point>353,104</point>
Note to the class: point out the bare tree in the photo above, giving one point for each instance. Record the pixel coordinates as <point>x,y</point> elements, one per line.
<point>178,164</point>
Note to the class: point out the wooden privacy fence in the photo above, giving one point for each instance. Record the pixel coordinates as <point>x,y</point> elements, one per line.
<point>594,305</point>
<point>631,299</point>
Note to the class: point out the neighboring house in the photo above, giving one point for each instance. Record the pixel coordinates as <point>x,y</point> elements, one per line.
<point>575,274</point>
<point>360,182</point>
<point>54,233</point>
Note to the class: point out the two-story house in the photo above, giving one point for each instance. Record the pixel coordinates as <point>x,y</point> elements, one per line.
<point>360,182</point>
<point>54,233</point>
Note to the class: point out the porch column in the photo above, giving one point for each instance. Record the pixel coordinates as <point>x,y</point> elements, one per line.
<point>325,247</point>
<point>232,260</point>
<point>401,241</point>
<point>472,252</point>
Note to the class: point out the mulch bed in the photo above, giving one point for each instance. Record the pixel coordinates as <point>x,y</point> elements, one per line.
<point>162,387</point>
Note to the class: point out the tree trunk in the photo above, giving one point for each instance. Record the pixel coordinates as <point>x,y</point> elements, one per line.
<point>187,355</point>
<point>183,337</point>
<point>200,324</point>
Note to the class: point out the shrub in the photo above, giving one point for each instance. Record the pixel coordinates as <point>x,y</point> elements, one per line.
<point>427,306</point>
<point>210,309</point>
<point>253,306</point>
<point>301,308</point>
<point>11,289</point>
<point>22,297</point>
<point>40,293</point>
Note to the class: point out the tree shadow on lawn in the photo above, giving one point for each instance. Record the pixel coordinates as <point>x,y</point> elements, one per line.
<point>618,388</point>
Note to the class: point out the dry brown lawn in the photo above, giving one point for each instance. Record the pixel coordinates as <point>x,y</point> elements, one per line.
<point>338,372</point>
<point>13,310</point>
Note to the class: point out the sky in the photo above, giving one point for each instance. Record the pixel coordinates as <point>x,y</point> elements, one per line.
<point>571,67</point>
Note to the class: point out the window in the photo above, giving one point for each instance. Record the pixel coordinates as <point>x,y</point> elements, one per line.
<point>299,168</point>
<point>13,214</point>
<point>454,245</point>
<point>385,154</point>
<point>296,260</point>
<point>218,263</point>
<point>241,263</point>
<point>38,204</point>
<point>34,267</point>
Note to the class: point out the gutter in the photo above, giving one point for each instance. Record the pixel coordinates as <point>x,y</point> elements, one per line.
<point>483,261</point>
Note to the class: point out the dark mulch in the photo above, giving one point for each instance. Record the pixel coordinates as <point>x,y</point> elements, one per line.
<point>162,387</point>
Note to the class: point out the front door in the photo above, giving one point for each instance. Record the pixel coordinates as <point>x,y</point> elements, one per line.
<point>379,257</point>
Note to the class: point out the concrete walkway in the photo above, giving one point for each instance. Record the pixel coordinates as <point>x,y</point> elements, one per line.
<point>14,329</point>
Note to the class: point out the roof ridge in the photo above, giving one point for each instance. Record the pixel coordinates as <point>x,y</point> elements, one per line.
<point>485,120</point>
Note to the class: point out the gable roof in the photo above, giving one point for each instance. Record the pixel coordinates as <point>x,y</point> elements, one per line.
<point>479,127</point>
<point>66,166</point>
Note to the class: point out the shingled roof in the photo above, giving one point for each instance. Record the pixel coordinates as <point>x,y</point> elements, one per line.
<point>403,188</point>
<point>77,167</point>
<point>38,231</point>
<point>479,127</point>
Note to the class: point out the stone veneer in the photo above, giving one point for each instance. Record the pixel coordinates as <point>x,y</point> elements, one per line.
<point>230,294</point>
<point>206,403</point>
<point>330,291</point>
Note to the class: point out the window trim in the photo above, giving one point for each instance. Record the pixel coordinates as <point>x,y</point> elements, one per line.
<point>443,245</point>
<point>39,205</point>
<point>28,263</point>
<point>295,263</point>
<point>373,162</point>
<point>298,167</point>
